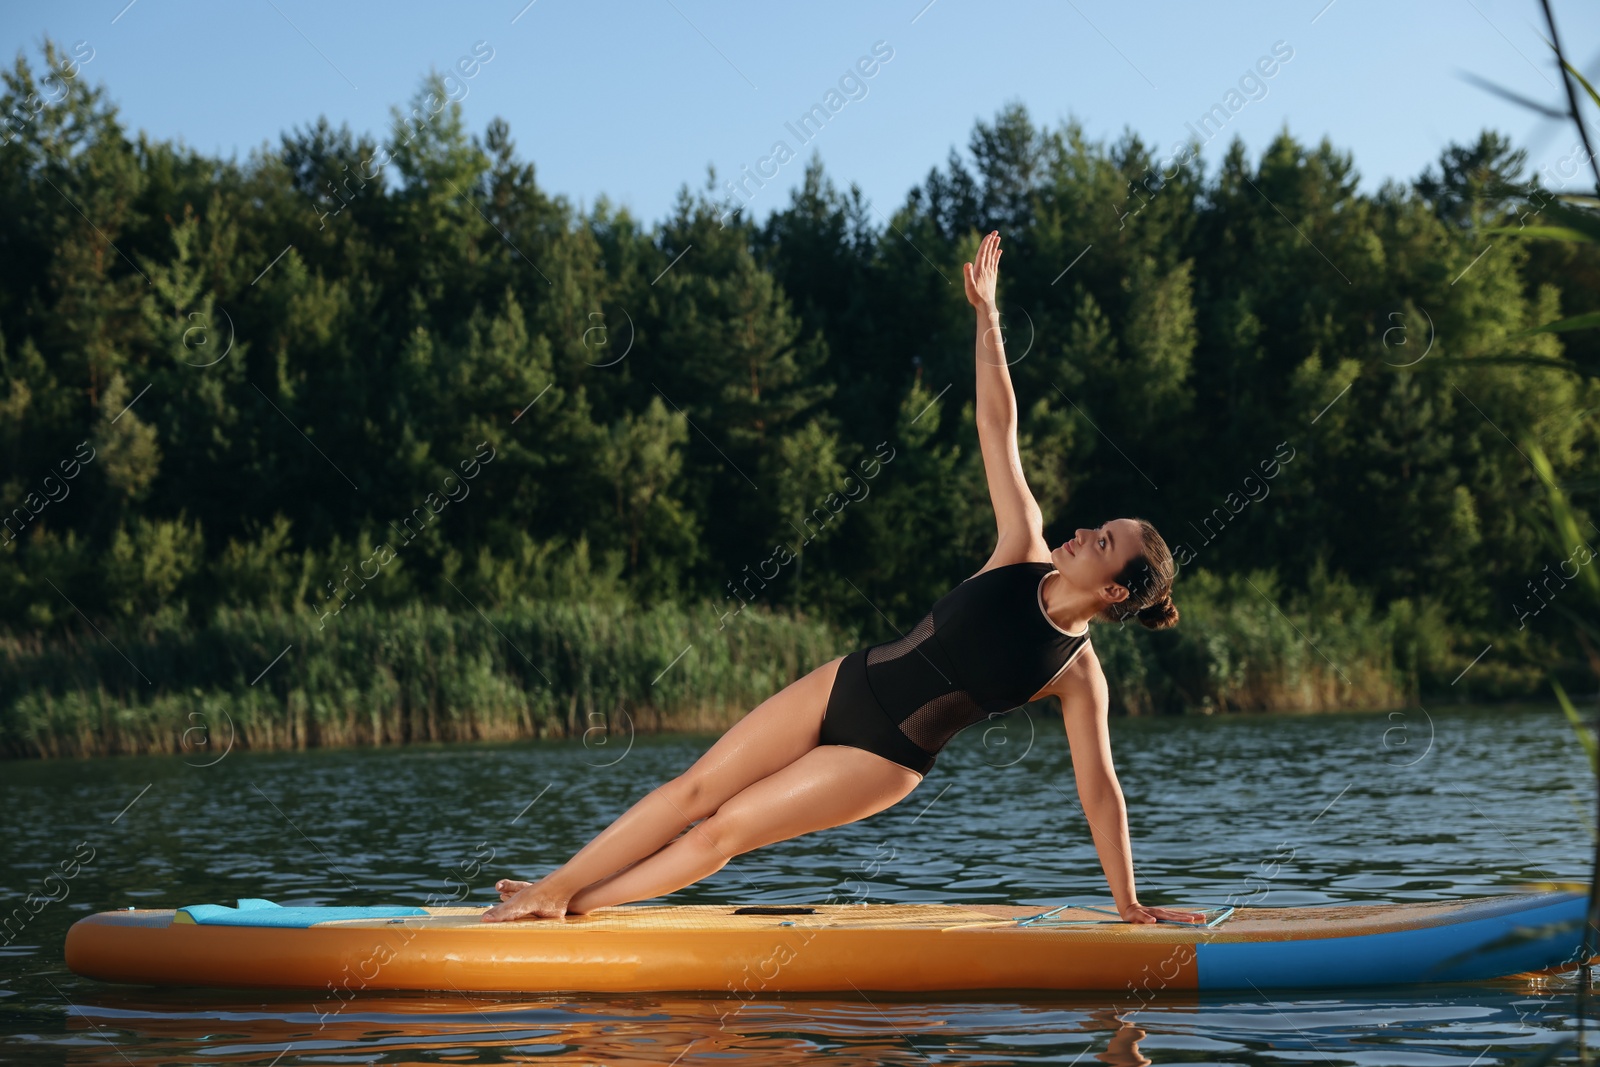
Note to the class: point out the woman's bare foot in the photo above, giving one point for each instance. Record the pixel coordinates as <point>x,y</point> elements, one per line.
<point>522,900</point>
<point>510,887</point>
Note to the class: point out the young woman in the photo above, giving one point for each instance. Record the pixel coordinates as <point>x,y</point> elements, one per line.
<point>858,733</point>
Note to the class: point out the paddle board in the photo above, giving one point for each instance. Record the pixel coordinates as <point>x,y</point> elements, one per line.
<point>828,947</point>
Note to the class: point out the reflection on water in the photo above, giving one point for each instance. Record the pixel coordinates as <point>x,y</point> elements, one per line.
<point>1447,1025</point>
<point>1283,809</point>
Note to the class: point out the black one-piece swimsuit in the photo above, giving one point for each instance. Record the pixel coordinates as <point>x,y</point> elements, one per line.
<point>986,647</point>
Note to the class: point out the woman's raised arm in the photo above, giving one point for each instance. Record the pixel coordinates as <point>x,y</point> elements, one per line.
<point>1020,525</point>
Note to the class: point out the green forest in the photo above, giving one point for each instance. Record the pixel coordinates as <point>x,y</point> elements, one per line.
<point>368,438</point>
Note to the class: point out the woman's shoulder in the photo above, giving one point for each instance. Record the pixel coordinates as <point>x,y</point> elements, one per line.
<point>1083,674</point>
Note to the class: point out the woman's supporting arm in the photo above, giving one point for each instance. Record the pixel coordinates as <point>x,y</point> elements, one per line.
<point>1085,705</point>
<point>1017,514</point>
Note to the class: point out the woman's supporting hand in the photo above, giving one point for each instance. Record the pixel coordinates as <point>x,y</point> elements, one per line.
<point>1138,913</point>
<point>981,274</point>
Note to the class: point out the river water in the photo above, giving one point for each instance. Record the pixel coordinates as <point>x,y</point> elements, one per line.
<point>1285,809</point>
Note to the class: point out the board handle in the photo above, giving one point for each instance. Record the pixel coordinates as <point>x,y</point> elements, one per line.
<point>761,909</point>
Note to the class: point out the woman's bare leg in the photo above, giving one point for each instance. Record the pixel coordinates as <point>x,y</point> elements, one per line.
<point>510,887</point>
<point>829,786</point>
<point>777,732</point>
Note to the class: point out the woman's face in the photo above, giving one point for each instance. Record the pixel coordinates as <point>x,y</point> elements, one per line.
<point>1095,555</point>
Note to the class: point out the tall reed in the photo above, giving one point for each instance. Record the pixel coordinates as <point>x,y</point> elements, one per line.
<point>414,673</point>
<point>600,667</point>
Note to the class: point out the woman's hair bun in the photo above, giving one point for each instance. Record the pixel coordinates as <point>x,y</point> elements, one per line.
<point>1160,615</point>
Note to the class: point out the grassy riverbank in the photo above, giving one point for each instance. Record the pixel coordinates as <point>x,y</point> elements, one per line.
<point>554,669</point>
<point>378,676</point>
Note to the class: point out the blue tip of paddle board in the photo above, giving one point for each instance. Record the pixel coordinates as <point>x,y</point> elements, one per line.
<point>1532,937</point>
<point>253,911</point>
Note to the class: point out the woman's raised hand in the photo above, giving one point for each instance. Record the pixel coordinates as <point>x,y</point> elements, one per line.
<point>980,275</point>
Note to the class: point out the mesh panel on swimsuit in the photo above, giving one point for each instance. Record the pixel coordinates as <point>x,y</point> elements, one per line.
<point>936,722</point>
<point>895,649</point>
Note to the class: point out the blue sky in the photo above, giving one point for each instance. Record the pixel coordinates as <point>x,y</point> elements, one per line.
<point>635,99</point>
